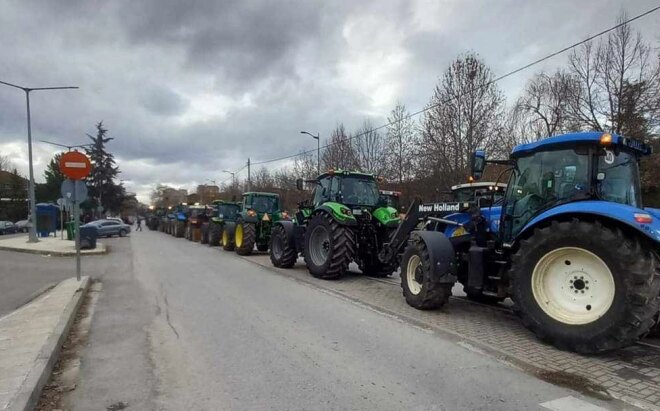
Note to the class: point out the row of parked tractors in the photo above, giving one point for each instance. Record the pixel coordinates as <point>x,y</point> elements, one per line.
<point>567,238</point>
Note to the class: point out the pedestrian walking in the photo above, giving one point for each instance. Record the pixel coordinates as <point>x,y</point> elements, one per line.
<point>139,224</point>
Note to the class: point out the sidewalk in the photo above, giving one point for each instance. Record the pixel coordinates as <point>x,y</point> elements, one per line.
<point>48,245</point>
<point>30,341</point>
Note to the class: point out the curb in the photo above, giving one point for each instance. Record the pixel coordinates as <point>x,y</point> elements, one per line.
<point>55,253</point>
<point>30,391</point>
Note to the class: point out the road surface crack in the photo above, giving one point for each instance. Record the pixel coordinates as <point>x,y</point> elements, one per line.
<point>167,316</point>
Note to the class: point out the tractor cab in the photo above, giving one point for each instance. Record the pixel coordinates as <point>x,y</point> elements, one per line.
<point>260,204</point>
<point>225,210</point>
<point>353,189</point>
<point>570,168</point>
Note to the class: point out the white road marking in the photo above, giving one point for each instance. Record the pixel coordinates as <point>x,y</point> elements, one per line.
<point>570,403</point>
<point>72,164</point>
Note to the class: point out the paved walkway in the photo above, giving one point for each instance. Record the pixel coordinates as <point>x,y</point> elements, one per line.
<point>47,245</point>
<point>30,339</point>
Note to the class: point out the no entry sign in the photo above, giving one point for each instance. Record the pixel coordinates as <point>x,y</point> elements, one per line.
<point>75,165</point>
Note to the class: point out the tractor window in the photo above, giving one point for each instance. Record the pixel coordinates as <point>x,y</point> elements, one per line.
<point>541,180</point>
<point>322,192</point>
<point>359,191</point>
<point>264,204</point>
<point>618,178</point>
<point>228,211</point>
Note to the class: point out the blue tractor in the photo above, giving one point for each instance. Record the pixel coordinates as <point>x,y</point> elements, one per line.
<point>570,244</point>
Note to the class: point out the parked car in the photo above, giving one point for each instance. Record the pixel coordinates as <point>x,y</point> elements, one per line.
<point>7,227</point>
<point>117,219</point>
<point>23,226</point>
<point>108,228</point>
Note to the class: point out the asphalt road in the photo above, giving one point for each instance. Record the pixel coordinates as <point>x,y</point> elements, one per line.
<point>24,276</point>
<point>179,326</point>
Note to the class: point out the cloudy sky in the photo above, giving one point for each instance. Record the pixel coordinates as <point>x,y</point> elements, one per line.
<point>189,88</point>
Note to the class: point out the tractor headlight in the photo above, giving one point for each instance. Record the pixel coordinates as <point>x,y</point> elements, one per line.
<point>251,213</point>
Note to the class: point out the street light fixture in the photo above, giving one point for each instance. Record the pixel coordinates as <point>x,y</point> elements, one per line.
<point>232,175</point>
<point>32,238</point>
<point>316,137</point>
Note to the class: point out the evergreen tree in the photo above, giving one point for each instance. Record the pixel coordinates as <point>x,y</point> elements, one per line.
<point>101,185</point>
<point>50,190</point>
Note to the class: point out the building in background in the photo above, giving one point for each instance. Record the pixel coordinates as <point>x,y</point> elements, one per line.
<point>207,193</point>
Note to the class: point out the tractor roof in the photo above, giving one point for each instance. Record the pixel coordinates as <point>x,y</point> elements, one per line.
<point>345,173</point>
<point>573,139</point>
<point>221,202</point>
<point>480,184</point>
<point>262,194</point>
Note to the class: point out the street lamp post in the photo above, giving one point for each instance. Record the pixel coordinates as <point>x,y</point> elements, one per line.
<point>32,237</point>
<point>316,137</point>
<point>232,176</point>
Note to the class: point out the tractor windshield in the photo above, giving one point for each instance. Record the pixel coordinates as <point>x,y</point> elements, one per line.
<point>265,204</point>
<point>618,178</point>
<point>541,180</point>
<point>228,211</point>
<point>359,191</point>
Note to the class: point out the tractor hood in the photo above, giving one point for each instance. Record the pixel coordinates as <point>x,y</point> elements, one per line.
<point>654,211</point>
<point>646,221</point>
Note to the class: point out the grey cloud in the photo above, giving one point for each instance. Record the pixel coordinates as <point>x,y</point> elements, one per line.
<point>163,101</point>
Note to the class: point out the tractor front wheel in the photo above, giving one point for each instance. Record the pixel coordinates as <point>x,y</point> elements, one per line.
<point>215,234</point>
<point>572,289</point>
<point>329,247</point>
<point>227,240</point>
<point>245,236</point>
<point>179,229</point>
<point>282,255</point>
<point>418,289</point>
<point>204,238</point>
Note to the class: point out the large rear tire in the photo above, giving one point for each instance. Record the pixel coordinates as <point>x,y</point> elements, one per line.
<point>245,236</point>
<point>418,289</point>
<point>282,254</point>
<point>573,289</point>
<point>215,234</point>
<point>329,247</point>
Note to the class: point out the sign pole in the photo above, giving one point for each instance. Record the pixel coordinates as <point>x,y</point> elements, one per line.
<point>76,224</point>
<point>62,222</point>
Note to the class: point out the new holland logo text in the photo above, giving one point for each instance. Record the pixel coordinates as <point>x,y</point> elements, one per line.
<point>438,207</point>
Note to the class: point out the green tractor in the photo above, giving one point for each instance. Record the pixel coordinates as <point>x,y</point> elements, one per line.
<point>347,220</point>
<point>223,211</point>
<point>253,223</point>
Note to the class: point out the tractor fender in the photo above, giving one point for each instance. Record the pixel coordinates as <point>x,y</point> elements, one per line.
<point>441,254</point>
<point>289,229</point>
<point>333,209</point>
<point>618,213</point>
<point>249,219</point>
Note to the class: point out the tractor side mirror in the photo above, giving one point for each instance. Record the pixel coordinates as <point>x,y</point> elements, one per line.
<point>478,164</point>
<point>299,184</point>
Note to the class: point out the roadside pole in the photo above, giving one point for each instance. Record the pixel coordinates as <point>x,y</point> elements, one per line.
<point>76,227</point>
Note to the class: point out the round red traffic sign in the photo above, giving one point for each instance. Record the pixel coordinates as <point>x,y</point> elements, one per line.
<point>75,165</point>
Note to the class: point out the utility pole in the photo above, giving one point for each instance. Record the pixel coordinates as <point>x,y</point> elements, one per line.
<point>316,137</point>
<point>249,180</point>
<point>32,238</point>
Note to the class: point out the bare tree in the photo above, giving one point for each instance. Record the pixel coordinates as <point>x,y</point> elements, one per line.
<point>304,166</point>
<point>371,149</point>
<point>402,141</point>
<point>340,153</point>
<point>605,74</point>
<point>544,109</point>
<point>465,114</point>
<point>5,163</point>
